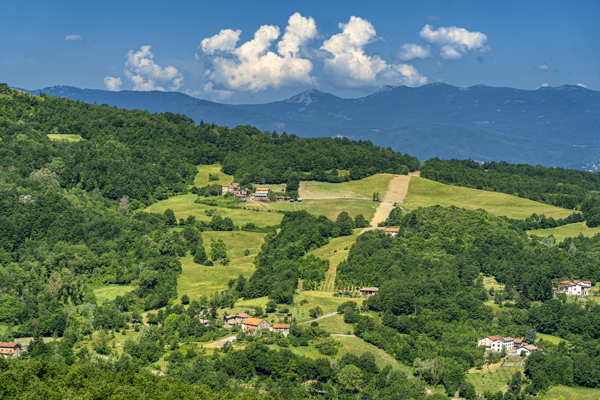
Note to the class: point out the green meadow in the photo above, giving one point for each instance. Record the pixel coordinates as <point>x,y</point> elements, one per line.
<point>199,280</point>
<point>493,380</point>
<point>358,189</point>
<point>424,192</point>
<point>327,207</point>
<point>63,137</point>
<point>571,393</point>
<point>202,177</point>
<point>570,230</point>
<point>111,292</point>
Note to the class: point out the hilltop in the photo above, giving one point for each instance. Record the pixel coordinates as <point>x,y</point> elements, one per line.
<point>553,126</point>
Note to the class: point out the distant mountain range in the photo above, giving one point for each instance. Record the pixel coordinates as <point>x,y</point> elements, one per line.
<point>552,126</point>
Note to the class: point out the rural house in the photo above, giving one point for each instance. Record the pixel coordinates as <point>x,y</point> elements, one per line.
<point>392,231</point>
<point>284,329</point>
<point>254,325</point>
<point>574,288</point>
<point>368,291</point>
<point>230,188</point>
<point>234,319</point>
<point>10,349</point>
<point>512,346</point>
<point>262,192</point>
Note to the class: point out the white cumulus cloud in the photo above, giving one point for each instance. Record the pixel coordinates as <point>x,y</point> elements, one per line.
<point>73,36</point>
<point>145,74</point>
<point>412,51</point>
<point>112,83</point>
<point>225,40</point>
<point>350,64</point>
<point>455,42</point>
<point>254,65</point>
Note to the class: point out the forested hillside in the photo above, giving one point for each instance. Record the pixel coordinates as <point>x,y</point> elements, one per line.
<point>433,305</point>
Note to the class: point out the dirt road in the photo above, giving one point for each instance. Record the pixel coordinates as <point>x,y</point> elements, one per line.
<point>397,190</point>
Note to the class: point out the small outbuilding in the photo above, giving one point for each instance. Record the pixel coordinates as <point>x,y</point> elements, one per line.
<point>368,291</point>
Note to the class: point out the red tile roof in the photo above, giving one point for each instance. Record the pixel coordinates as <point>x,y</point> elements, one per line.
<point>10,345</point>
<point>281,326</point>
<point>392,229</point>
<point>252,321</point>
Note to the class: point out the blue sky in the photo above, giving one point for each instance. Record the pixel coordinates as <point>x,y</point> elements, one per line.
<point>241,51</point>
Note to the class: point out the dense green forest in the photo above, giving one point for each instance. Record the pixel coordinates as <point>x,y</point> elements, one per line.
<point>577,190</point>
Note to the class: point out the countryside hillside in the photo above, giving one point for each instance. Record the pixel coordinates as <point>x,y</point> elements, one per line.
<point>135,245</point>
<point>552,126</point>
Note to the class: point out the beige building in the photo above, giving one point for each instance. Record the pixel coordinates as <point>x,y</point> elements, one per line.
<point>10,349</point>
<point>252,325</point>
<point>368,291</point>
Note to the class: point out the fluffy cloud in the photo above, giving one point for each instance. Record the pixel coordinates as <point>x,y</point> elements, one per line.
<point>411,51</point>
<point>254,66</point>
<point>72,37</point>
<point>351,65</point>
<point>226,40</point>
<point>112,83</point>
<point>455,42</point>
<point>145,74</point>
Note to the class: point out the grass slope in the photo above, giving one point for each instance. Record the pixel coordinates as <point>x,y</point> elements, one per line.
<point>571,393</point>
<point>327,207</point>
<point>358,189</point>
<point>493,380</point>
<point>424,192</point>
<point>198,280</point>
<point>335,252</point>
<point>214,169</point>
<point>57,137</point>
<point>183,206</point>
<point>570,230</point>
<point>111,292</point>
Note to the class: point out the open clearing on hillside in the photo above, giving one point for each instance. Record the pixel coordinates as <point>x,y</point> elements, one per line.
<point>396,193</point>
<point>570,230</point>
<point>183,206</point>
<point>571,393</point>
<point>335,252</point>
<point>328,207</point>
<point>214,169</point>
<point>57,137</point>
<point>326,301</point>
<point>358,189</point>
<point>111,292</point>
<point>424,192</point>
<point>199,280</point>
<point>491,380</point>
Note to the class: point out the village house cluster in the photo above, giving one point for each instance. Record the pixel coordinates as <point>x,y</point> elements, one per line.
<point>253,325</point>
<point>260,193</point>
<point>574,288</point>
<point>511,346</point>
<point>10,349</point>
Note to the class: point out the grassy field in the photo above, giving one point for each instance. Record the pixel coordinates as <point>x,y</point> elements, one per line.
<point>198,280</point>
<point>303,302</point>
<point>493,380</point>
<point>111,292</point>
<point>336,324</point>
<point>215,169</point>
<point>358,189</point>
<point>183,206</point>
<point>424,192</point>
<point>571,393</point>
<point>335,252</point>
<point>329,207</point>
<point>570,230</point>
<point>64,137</point>
<point>549,338</point>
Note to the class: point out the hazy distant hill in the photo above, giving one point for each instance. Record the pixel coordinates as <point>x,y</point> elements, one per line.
<point>550,126</point>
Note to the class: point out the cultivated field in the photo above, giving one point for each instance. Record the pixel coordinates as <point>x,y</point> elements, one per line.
<point>570,230</point>
<point>358,189</point>
<point>199,280</point>
<point>335,252</point>
<point>424,192</point>
<point>492,380</point>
